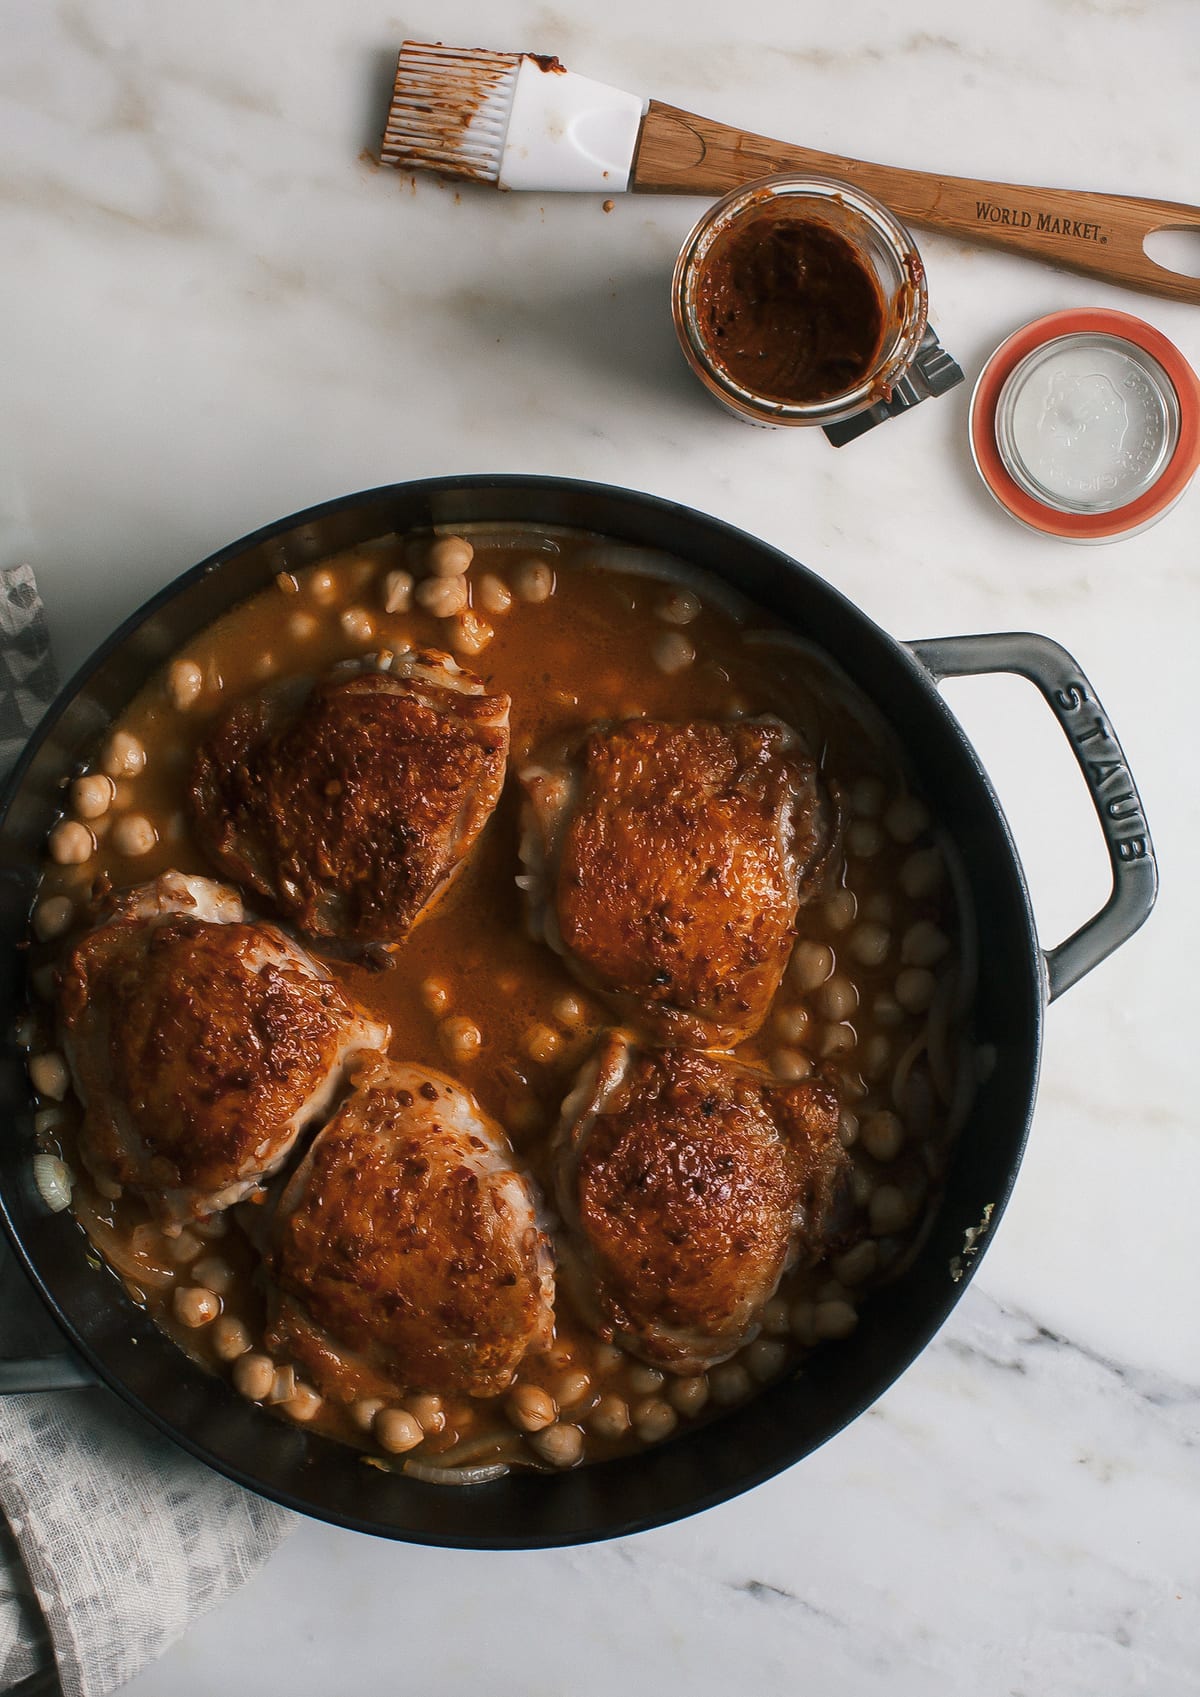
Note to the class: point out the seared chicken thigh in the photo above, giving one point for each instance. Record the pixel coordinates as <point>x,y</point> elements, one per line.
<point>687,1186</point>
<point>408,1253</point>
<point>351,809</point>
<point>667,864</point>
<point>200,1045</point>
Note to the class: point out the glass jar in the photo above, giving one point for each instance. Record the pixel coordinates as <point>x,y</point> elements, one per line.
<point>880,247</point>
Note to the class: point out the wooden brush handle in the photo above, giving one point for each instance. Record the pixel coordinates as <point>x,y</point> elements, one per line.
<point>1098,234</point>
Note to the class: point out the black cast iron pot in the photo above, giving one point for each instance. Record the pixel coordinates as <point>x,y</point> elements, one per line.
<point>112,1341</point>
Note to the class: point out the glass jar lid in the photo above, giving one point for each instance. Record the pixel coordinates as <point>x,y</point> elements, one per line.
<point>1086,425</point>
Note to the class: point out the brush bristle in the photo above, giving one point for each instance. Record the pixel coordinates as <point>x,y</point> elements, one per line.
<point>450,109</point>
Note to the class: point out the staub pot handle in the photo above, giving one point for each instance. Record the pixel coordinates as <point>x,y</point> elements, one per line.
<point>1100,759</point>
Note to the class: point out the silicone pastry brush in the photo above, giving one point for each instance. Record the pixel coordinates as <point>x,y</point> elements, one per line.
<point>523,121</point>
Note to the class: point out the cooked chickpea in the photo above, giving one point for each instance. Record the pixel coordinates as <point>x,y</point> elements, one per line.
<point>678,607</point>
<point>71,843</point>
<point>530,1408</point>
<point>184,1247</point>
<point>607,1357</point>
<point>889,1210</point>
<point>49,1076</point>
<point>470,634</point>
<point>688,1396</point>
<point>533,581</point>
<point>869,943</point>
<point>836,1319</point>
<point>609,1418</point>
<point>864,839</point>
<point>847,1128</point>
<point>838,998</point>
<point>643,1378</point>
<point>914,989</point>
<point>493,594</point>
<point>790,1065</point>
<point>442,596</point>
<point>906,818</point>
<point>428,1412</point>
<point>765,1358</point>
<point>559,1445</point>
<point>397,592</point>
<point>47,1121</point>
<point>876,1056</point>
<point>194,1305</point>
<point>775,1318</point>
<point>52,917</point>
<point>653,1420</point>
<point>357,624</point>
<point>133,835</point>
<point>883,1135</point>
<point>124,756</point>
<point>729,1383</point>
<point>857,1264</point>
<point>185,684</point>
<point>214,1272</point>
<point>449,556</point>
<point>397,1430</point>
<point>91,795</point>
<point>867,798</point>
<point>811,965</point>
<point>921,873</point>
<point>541,1043</point>
<point>322,586</point>
<point>887,1010</point>
<point>230,1337</point>
<point>254,1376</point>
<point>305,1405</point>
<point>363,1412</point>
<point>435,995</point>
<point>568,1010</point>
<point>302,627</point>
<point>792,1023</point>
<point>841,910</point>
<point>673,652</point>
<point>837,1039</point>
<point>572,1387</point>
<point>924,944</point>
<point>461,1037</point>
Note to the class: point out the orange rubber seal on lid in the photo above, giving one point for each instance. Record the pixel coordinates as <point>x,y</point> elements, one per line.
<point>1176,474</point>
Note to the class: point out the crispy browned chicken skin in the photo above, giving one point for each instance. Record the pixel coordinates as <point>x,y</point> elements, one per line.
<point>688,1184</point>
<point>667,864</point>
<point>199,1045</point>
<point>351,809</point>
<point>408,1251</point>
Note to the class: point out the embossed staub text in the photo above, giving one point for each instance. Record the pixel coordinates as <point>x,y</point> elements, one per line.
<point>1106,773</point>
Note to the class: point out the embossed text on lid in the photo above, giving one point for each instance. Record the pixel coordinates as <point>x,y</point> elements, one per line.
<point>1087,422</point>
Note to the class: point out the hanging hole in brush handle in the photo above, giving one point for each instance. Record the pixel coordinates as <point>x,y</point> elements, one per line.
<point>1100,235</point>
<point>1102,762</point>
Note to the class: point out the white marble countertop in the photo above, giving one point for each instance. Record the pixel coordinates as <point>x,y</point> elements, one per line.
<point>216,312</point>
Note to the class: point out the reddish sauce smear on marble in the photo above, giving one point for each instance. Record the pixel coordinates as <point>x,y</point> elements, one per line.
<point>788,308</point>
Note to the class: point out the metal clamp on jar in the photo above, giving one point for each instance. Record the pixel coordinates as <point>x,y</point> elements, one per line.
<point>800,300</point>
